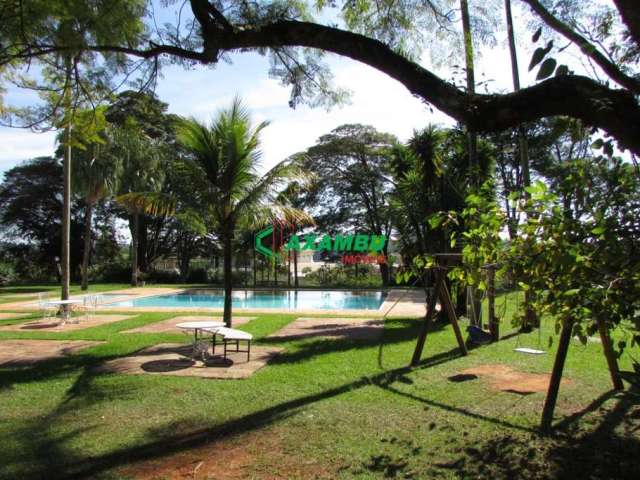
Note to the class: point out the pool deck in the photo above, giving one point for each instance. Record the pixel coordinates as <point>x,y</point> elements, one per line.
<point>398,303</point>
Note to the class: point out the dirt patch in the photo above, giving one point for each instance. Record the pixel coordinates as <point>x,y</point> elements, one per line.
<point>7,316</point>
<point>349,328</point>
<point>75,323</point>
<point>504,378</point>
<point>26,352</point>
<point>175,359</point>
<point>169,326</point>
<point>258,455</point>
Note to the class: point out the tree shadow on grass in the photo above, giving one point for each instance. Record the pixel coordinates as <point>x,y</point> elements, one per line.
<point>307,348</point>
<point>183,436</point>
<point>604,446</point>
<point>166,441</point>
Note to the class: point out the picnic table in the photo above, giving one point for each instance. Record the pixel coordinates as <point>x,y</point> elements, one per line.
<point>200,345</point>
<point>65,304</point>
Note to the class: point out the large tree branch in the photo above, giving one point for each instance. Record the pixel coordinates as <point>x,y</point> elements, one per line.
<point>585,46</point>
<point>615,111</point>
<point>630,12</point>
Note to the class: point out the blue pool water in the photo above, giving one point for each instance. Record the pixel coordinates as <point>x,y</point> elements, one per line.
<point>292,300</point>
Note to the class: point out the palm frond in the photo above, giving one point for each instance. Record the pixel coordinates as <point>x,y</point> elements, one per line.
<point>152,203</point>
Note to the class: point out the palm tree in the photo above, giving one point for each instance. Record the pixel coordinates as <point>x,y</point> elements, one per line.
<point>141,170</point>
<point>221,167</point>
<point>219,170</point>
<point>94,177</point>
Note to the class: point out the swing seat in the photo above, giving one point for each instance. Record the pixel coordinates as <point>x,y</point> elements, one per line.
<point>530,351</point>
<point>478,336</point>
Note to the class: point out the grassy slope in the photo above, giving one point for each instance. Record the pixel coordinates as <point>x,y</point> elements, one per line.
<point>328,403</point>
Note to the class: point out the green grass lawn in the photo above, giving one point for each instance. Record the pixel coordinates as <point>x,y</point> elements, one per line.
<point>322,409</point>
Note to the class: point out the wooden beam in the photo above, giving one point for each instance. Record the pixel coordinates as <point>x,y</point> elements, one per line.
<point>445,300</point>
<point>494,326</point>
<point>610,355</point>
<point>556,376</point>
<point>431,309</point>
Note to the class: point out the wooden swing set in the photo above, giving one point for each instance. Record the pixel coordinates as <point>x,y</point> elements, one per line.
<point>440,291</point>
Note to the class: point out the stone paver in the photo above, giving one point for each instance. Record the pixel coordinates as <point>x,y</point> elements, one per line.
<point>350,328</point>
<point>27,352</point>
<point>76,323</point>
<point>174,359</point>
<point>169,326</point>
<point>409,303</point>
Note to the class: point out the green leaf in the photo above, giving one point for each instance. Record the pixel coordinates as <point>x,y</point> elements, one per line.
<point>539,55</point>
<point>546,69</point>
<point>608,149</point>
<point>435,221</point>
<point>538,187</point>
<point>536,36</point>
<point>562,70</point>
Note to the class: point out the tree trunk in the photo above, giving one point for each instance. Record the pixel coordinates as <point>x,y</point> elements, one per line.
<point>135,232</point>
<point>384,273</point>
<point>472,137</point>
<point>275,271</point>
<point>184,262</point>
<point>255,268</point>
<point>228,279</point>
<point>289,268</point>
<point>88,214</point>
<point>245,277</point>
<point>295,268</point>
<point>530,319</point>
<point>143,243</point>
<point>66,216</point>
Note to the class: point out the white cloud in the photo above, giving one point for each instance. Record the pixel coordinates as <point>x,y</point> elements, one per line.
<point>19,145</point>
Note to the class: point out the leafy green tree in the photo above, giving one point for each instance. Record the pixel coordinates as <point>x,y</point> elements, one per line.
<point>157,235</point>
<point>70,78</point>
<point>350,189</point>
<point>141,160</point>
<point>31,210</point>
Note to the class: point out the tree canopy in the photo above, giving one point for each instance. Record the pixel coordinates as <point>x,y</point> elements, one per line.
<point>294,39</point>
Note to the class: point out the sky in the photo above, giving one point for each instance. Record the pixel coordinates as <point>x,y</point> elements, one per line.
<point>376,100</point>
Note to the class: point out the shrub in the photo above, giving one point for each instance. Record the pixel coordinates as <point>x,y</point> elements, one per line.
<point>163,276</point>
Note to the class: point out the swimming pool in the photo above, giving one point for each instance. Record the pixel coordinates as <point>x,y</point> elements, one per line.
<point>284,299</point>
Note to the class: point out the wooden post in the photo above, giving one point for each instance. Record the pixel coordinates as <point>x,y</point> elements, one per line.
<point>445,301</point>
<point>431,309</point>
<point>494,327</point>
<point>556,376</point>
<point>610,355</point>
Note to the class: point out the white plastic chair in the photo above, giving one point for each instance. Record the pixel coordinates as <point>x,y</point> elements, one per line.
<point>46,308</point>
<point>89,304</point>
